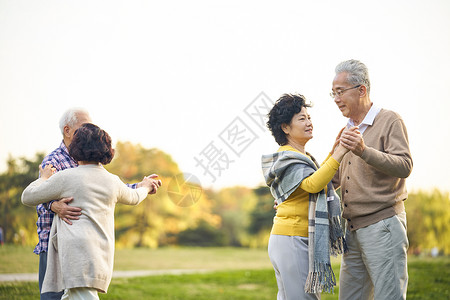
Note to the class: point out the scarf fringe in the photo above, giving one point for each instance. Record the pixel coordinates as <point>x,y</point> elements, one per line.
<point>322,279</point>
<point>337,240</point>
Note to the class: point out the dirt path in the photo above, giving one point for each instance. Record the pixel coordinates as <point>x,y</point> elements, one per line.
<point>116,274</point>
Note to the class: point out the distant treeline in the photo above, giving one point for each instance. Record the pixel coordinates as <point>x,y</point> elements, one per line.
<point>235,216</point>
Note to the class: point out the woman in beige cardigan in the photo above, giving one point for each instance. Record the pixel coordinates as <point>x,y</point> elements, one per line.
<point>81,255</point>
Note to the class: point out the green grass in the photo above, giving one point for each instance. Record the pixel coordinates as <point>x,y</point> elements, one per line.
<point>18,259</point>
<point>251,284</point>
<point>429,278</point>
<point>235,273</point>
<point>191,258</point>
<point>219,285</point>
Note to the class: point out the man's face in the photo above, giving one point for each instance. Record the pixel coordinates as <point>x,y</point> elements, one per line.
<point>348,102</point>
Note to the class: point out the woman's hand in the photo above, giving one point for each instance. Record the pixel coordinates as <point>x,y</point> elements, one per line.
<point>340,151</point>
<point>342,147</point>
<point>337,141</point>
<point>47,171</point>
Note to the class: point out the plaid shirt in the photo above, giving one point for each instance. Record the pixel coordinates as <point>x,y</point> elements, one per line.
<point>61,160</point>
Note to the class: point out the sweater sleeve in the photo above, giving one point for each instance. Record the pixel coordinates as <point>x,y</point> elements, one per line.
<point>42,191</point>
<point>319,179</point>
<point>129,195</point>
<point>396,159</point>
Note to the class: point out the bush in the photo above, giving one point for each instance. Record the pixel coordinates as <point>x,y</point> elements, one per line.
<point>204,235</point>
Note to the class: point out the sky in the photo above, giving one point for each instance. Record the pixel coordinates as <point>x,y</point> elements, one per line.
<point>193,78</point>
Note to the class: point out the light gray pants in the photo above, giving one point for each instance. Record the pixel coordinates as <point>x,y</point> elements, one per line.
<point>289,257</point>
<point>375,266</point>
<point>82,293</point>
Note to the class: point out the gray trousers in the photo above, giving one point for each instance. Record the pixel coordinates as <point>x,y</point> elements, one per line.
<point>42,268</point>
<point>375,266</point>
<point>289,257</point>
<point>81,293</point>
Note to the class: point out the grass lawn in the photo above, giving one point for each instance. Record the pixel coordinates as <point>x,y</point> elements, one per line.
<point>234,273</point>
<point>18,259</point>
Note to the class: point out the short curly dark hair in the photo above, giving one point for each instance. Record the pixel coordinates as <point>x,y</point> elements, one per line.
<point>282,113</point>
<point>91,143</point>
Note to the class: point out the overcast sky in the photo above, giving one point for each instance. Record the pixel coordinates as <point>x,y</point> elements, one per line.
<point>188,76</point>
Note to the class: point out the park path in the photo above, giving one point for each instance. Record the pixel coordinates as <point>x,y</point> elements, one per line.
<point>116,274</point>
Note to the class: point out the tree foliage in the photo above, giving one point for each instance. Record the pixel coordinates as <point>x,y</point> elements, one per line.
<point>234,216</point>
<point>157,220</point>
<point>16,219</point>
<point>428,217</point>
<point>261,218</point>
<point>204,235</point>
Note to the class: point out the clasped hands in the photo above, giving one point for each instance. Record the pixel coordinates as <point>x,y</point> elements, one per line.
<point>151,182</point>
<point>351,139</point>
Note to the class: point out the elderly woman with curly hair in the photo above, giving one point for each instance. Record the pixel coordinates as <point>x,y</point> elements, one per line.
<point>81,255</point>
<point>306,227</point>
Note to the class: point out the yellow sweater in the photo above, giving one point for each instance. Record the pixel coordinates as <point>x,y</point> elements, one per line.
<point>292,215</point>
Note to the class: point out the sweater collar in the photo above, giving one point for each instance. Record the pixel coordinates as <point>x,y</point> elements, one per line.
<point>289,148</point>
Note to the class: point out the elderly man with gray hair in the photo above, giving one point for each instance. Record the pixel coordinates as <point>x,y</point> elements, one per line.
<point>372,180</point>
<point>71,120</point>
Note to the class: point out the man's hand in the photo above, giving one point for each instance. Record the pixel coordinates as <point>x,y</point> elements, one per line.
<point>151,182</point>
<point>352,140</point>
<point>65,211</point>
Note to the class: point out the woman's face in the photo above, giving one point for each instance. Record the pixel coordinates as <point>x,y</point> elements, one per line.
<point>300,129</point>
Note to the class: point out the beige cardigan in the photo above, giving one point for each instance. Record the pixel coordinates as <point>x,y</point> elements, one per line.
<point>82,254</point>
<point>373,185</point>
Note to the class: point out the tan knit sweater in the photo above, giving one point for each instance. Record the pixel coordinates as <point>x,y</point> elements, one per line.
<point>82,254</point>
<point>373,185</point>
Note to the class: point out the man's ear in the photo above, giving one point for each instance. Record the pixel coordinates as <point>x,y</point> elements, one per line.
<point>362,91</point>
<point>66,131</point>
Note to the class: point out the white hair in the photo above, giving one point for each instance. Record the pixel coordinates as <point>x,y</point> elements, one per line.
<point>357,72</point>
<point>70,117</point>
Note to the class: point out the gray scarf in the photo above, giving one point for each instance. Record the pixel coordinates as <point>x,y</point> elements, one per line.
<point>284,172</point>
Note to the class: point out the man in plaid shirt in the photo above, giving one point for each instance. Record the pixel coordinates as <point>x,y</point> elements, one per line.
<point>61,160</point>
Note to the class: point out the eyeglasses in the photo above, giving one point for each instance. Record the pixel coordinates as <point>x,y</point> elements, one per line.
<point>339,93</point>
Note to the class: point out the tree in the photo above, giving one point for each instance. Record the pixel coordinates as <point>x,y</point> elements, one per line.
<point>17,220</point>
<point>204,235</point>
<point>234,205</point>
<point>428,215</point>
<point>262,216</point>
<point>157,220</point>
